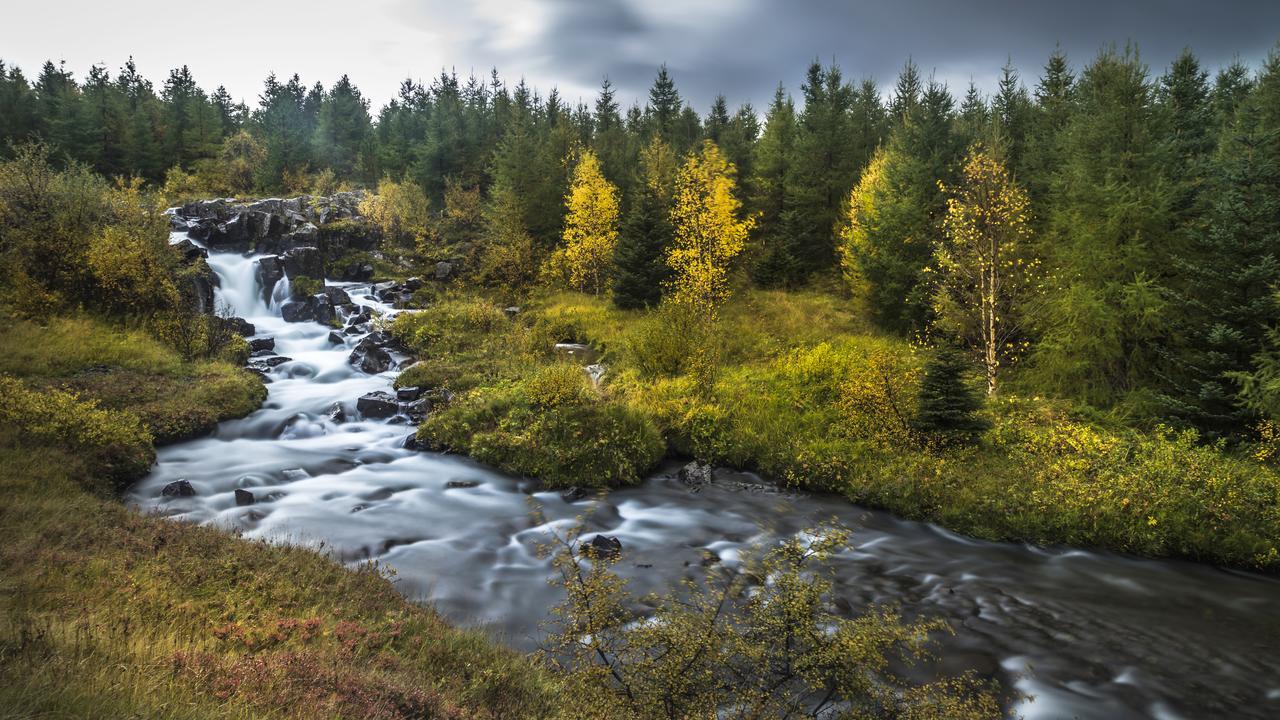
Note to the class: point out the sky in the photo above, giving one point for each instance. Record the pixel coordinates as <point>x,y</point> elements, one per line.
<point>741,48</point>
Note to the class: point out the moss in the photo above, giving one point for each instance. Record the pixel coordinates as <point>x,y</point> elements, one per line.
<point>302,287</point>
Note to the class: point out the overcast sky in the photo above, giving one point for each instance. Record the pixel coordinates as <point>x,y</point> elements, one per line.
<point>742,48</point>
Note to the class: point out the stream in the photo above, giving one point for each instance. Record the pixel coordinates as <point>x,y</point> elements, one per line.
<point>1086,634</point>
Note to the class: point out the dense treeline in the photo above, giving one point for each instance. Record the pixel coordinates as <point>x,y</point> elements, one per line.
<point>1114,232</point>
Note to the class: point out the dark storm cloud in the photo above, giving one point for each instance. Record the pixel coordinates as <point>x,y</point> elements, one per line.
<point>744,49</point>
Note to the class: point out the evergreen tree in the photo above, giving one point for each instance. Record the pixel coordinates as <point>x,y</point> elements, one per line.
<point>342,130</point>
<point>1109,214</point>
<point>180,116</point>
<point>775,265</point>
<point>103,123</point>
<point>664,106</point>
<point>641,272</point>
<point>18,109</point>
<point>282,123</point>
<point>947,406</point>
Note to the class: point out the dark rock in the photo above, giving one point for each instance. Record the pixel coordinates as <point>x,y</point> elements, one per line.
<point>696,474</point>
<point>418,410</point>
<point>573,494</point>
<point>411,443</point>
<point>360,329</point>
<point>454,484</point>
<point>335,338</point>
<point>413,284</point>
<point>200,282</point>
<point>444,270</point>
<point>361,317</point>
<point>322,308</point>
<point>371,360</point>
<point>189,251</point>
<point>306,234</point>
<point>602,546</point>
<point>297,311</point>
<point>267,343</point>
<point>377,404</point>
<point>338,413</point>
<point>240,326</point>
<point>268,363</point>
<point>337,295</point>
<point>269,271</point>
<point>357,272</point>
<point>262,353</point>
<point>244,497</point>
<point>306,260</point>
<point>408,394</point>
<point>376,339</point>
<point>178,488</point>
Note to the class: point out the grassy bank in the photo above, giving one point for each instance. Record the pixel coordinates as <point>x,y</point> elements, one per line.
<point>107,613</point>
<point>806,394</point>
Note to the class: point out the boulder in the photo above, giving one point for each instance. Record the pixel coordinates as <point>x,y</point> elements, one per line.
<point>601,546</point>
<point>200,282</point>
<point>377,404</point>
<point>337,413</point>
<point>418,410</point>
<point>413,284</point>
<point>457,484</point>
<point>444,270</point>
<point>357,272</point>
<point>304,235</point>
<point>337,295</point>
<point>269,271</point>
<point>189,251</point>
<point>371,360</point>
<point>511,311</point>
<point>267,343</point>
<point>244,498</point>
<point>240,326</point>
<point>335,338</point>
<point>408,394</point>
<point>322,308</point>
<point>297,311</point>
<point>178,488</point>
<point>307,260</point>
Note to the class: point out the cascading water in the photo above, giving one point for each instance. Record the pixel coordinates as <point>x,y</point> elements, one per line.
<point>1090,635</point>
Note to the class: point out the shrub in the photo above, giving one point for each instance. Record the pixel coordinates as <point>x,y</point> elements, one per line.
<point>947,405</point>
<point>302,287</point>
<point>113,443</point>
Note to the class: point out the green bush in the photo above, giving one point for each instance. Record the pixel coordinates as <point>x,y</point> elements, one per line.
<point>114,443</point>
<point>302,287</point>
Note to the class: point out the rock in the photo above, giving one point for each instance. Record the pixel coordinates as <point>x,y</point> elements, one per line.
<point>377,404</point>
<point>200,282</point>
<point>189,251</point>
<point>411,442</point>
<point>511,311</point>
<point>178,488</point>
<point>244,497</point>
<point>361,317</point>
<point>267,363</point>
<point>418,410</point>
<point>297,311</point>
<point>573,494</point>
<point>240,326</point>
<point>413,284</point>
<point>337,295</point>
<point>602,546</point>
<point>306,260</point>
<point>322,308</point>
<point>408,394</point>
<point>454,484</point>
<point>360,329</point>
<point>577,351</point>
<point>306,235</point>
<point>269,271</point>
<point>337,413</point>
<point>376,339</point>
<point>335,338</point>
<point>444,270</point>
<point>267,343</point>
<point>371,360</point>
<point>357,272</point>
<point>261,353</point>
<point>595,372</point>
<point>696,474</point>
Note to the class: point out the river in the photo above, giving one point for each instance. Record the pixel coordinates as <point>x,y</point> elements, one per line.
<point>1085,634</point>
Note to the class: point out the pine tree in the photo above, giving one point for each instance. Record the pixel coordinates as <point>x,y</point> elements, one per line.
<point>641,272</point>
<point>775,265</point>
<point>948,405</point>
<point>342,129</point>
<point>1109,213</point>
<point>664,106</point>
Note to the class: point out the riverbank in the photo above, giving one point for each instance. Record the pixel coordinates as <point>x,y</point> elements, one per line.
<point>108,613</point>
<point>805,393</point>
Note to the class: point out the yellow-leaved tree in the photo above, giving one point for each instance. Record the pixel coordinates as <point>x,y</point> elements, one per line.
<point>400,209</point>
<point>709,233</point>
<point>590,228</point>
<point>987,276</point>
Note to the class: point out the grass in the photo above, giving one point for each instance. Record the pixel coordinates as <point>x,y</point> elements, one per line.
<point>806,394</point>
<point>108,613</point>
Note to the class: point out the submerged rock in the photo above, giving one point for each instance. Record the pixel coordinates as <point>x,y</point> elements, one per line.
<point>602,546</point>
<point>244,497</point>
<point>297,311</point>
<point>696,474</point>
<point>573,494</point>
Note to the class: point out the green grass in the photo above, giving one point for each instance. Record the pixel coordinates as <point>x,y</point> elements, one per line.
<point>806,394</point>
